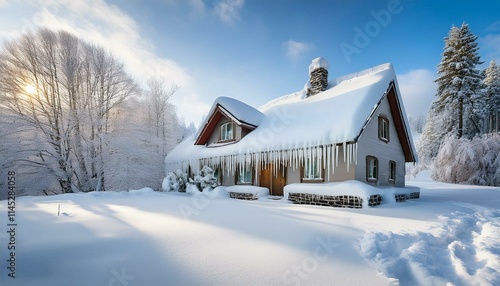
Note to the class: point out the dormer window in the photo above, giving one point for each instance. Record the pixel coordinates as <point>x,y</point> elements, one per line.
<point>226,132</point>
<point>383,128</point>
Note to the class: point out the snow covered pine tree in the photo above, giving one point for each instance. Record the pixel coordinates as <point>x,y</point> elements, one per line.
<point>459,89</point>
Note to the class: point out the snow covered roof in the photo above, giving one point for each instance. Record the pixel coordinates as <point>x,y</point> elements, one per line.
<point>334,116</point>
<point>241,111</point>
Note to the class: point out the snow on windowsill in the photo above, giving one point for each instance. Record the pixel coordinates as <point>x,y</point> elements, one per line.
<point>222,143</point>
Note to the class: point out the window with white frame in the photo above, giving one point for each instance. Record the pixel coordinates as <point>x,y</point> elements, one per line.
<point>383,128</point>
<point>312,169</point>
<point>371,169</point>
<point>392,171</point>
<point>244,176</point>
<point>226,131</point>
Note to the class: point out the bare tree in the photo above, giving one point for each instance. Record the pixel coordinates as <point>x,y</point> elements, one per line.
<point>161,114</point>
<point>65,89</point>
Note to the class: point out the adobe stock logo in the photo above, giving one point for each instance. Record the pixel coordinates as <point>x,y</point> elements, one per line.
<point>363,37</point>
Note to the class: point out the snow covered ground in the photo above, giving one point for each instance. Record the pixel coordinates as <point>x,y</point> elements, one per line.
<point>450,235</point>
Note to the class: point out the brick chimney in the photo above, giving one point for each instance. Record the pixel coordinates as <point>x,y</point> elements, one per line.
<point>318,76</point>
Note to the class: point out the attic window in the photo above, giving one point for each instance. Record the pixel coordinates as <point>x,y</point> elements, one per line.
<point>383,128</point>
<point>226,131</point>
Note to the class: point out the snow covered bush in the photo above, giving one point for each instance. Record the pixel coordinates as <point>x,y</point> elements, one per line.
<point>464,161</point>
<point>175,182</point>
<point>205,179</point>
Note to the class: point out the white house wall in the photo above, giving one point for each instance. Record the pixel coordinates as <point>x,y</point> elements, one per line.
<point>369,144</point>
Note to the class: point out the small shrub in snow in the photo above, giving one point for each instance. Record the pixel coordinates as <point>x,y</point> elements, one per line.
<point>205,179</point>
<point>175,182</point>
<point>168,184</point>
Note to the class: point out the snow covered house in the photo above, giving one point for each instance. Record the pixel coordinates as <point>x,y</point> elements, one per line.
<point>350,128</point>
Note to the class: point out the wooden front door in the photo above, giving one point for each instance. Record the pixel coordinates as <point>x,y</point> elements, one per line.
<point>274,180</point>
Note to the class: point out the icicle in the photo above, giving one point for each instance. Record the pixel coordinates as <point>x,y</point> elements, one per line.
<point>356,153</point>
<point>303,157</point>
<point>336,155</point>
<point>299,152</point>
<point>317,152</point>
<point>295,159</point>
<point>344,149</point>
<point>333,158</point>
<point>289,155</point>
<point>323,157</point>
<point>327,161</point>
<point>348,156</point>
<point>309,157</point>
<point>282,157</point>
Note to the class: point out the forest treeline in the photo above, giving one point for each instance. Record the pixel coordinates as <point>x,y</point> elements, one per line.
<point>460,141</point>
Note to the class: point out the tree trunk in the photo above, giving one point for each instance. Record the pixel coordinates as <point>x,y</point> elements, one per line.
<point>460,117</point>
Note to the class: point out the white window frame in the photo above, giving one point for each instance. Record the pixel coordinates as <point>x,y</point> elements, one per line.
<point>392,171</point>
<point>227,131</point>
<point>245,176</point>
<point>383,128</point>
<point>372,169</point>
<point>312,170</point>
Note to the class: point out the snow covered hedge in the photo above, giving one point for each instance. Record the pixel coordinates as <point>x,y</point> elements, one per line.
<point>179,181</point>
<point>464,161</point>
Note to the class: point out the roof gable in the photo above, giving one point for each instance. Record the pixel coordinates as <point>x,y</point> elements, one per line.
<point>238,112</point>
<point>399,119</point>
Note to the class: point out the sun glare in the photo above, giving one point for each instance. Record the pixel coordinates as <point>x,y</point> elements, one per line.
<point>30,89</point>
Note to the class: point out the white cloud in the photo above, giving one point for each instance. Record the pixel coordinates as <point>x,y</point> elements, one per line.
<point>295,49</point>
<point>228,11</point>
<point>418,90</point>
<point>198,6</point>
<point>490,46</point>
<point>96,21</point>
<point>495,27</point>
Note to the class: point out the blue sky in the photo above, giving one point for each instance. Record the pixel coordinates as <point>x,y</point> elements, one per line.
<point>257,50</point>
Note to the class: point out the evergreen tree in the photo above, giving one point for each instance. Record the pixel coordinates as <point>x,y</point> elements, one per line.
<point>428,145</point>
<point>454,112</point>
<point>459,82</point>
<point>492,97</point>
